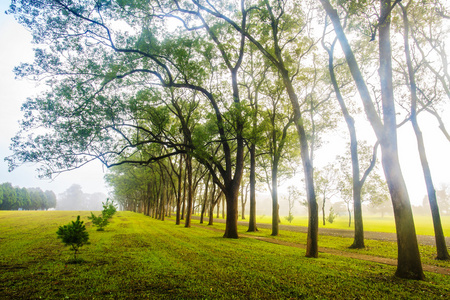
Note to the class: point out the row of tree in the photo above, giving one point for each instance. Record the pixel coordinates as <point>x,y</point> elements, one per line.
<point>14,198</point>
<point>189,91</point>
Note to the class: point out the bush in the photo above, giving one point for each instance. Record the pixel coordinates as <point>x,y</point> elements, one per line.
<point>289,218</point>
<point>74,234</point>
<point>109,209</point>
<point>100,221</point>
<point>331,216</point>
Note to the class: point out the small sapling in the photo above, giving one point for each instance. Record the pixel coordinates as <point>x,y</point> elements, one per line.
<point>74,235</point>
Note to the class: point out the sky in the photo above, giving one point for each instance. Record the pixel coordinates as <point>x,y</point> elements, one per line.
<point>17,48</point>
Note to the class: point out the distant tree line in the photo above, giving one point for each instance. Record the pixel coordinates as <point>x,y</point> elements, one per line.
<point>14,198</point>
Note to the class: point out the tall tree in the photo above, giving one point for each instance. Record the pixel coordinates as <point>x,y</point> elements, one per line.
<point>278,121</point>
<point>271,38</point>
<point>358,182</point>
<point>409,264</point>
<point>326,185</point>
<point>441,247</point>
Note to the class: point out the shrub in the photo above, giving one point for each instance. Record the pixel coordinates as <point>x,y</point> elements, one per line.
<point>289,218</point>
<point>100,221</point>
<point>331,216</point>
<point>109,209</point>
<point>74,234</point>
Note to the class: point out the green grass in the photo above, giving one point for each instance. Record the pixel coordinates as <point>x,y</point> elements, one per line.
<point>137,257</point>
<point>424,224</point>
<point>385,249</point>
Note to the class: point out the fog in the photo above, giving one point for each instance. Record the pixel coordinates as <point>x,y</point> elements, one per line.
<point>75,199</point>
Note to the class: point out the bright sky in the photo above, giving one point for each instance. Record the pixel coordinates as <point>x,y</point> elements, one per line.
<point>17,48</point>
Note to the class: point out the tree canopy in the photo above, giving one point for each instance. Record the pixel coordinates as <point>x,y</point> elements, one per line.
<point>14,198</point>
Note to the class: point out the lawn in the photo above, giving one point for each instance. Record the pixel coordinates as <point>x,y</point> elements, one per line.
<point>137,257</point>
<point>385,249</point>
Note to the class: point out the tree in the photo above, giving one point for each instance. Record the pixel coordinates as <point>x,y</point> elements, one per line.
<point>74,235</point>
<point>256,78</point>
<point>409,264</point>
<point>326,185</point>
<point>24,200</point>
<point>9,199</point>
<point>443,197</point>
<point>13,198</point>
<point>441,247</point>
<point>109,208</point>
<point>72,199</point>
<point>293,194</point>
<point>363,159</point>
<point>205,198</point>
<point>100,221</point>
<point>244,198</point>
<point>331,215</point>
<point>277,122</point>
<point>132,186</point>
<point>51,199</point>
<point>356,180</point>
<point>274,34</point>
<point>102,86</point>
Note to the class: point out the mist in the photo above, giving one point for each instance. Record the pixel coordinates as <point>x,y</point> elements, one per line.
<point>75,199</point>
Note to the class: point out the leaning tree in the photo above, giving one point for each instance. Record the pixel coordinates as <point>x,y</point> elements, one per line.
<point>102,61</point>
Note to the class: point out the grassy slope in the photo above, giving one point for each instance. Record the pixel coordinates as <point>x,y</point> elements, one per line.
<point>138,257</point>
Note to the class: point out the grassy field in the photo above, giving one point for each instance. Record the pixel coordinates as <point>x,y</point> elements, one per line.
<point>385,249</point>
<point>424,224</point>
<point>137,257</point>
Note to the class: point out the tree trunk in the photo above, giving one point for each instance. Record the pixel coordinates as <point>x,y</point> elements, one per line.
<point>211,215</point>
<point>214,202</point>
<point>184,196</point>
<point>162,203</point>
<point>358,242</point>
<point>231,196</point>
<point>441,247</point>
<point>312,248</point>
<point>349,216</point>
<point>409,264</point>
<point>275,217</point>
<point>218,208</point>
<point>323,210</point>
<point>223,208</point>
<point>187,222</point>
<point>168,204</point>
<point>205,199</point>
<point>252,219</point>
<point>179,176</point>
<point>243,201</point>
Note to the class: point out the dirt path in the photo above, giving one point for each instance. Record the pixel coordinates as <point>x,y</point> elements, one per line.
<point>369,235</point>
<point>425,240</point>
